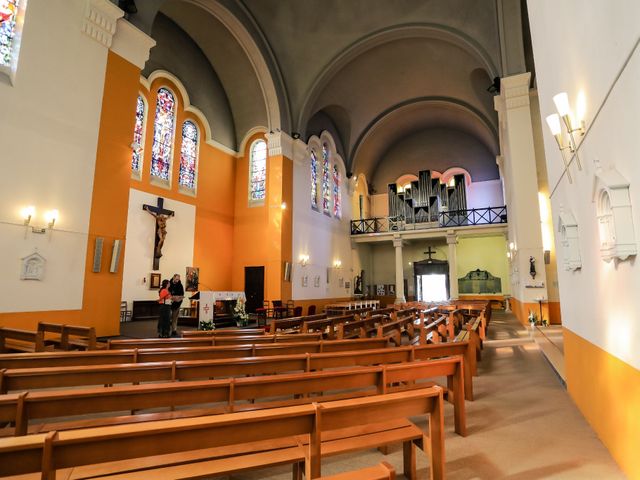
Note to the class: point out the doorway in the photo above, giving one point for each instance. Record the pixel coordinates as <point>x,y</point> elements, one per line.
<point>254,288</point>
<point>431,288</point>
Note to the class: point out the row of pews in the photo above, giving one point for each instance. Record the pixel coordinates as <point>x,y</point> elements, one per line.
<point>47,337</point>
<point>177,408</point>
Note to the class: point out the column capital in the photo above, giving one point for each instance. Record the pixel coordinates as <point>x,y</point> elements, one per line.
<point>452,238</point>
<point>514,91</point>
<point>99,22</point>
<point>280,143</point>
<point>397,241</point>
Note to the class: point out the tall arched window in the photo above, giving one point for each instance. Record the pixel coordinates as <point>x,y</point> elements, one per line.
<point>163,131</point>
<point>337,197</point>
<point>326,181</point>
<point>138,138</point>
<point>188,155</point>
<point>314,180</point>
<point>258,171</point>
<point>11,19</point>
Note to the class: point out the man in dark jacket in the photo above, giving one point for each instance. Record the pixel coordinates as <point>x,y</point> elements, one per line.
<point>177,295</point>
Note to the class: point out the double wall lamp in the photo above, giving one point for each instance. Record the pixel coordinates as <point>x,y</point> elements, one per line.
<point>574,125</point>
<point>304,260</point>
<point>28,213</point>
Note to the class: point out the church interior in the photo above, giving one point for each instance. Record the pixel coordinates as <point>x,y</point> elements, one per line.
<point>404,232</point>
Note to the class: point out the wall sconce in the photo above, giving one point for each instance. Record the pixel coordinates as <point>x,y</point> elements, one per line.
<point>304,260</point>
<point>337,264</point>
<point>572,124</point>
<point>51,216</point>
<point>283,206</point>
<point>27,214</point>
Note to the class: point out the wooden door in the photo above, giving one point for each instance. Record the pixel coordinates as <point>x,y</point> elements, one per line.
<point>254,287</point>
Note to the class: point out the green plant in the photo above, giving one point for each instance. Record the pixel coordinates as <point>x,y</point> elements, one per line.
<point>533,318</point>
<point>207,325</point>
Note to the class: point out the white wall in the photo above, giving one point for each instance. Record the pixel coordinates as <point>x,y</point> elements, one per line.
<point>177,252</point>
<point>49,121</point>
<point>599,302</point>
<point>325,239</point>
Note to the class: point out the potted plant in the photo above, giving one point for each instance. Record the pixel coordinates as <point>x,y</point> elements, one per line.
<point>207,325</point>
<point>533,319</point>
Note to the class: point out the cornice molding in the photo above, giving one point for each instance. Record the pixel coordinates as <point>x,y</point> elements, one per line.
<point>132,44</point>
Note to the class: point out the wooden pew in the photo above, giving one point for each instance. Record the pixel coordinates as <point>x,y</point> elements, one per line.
<point>232,332</point>
<point>209,341</point>
<point>109,374</point>
<point>359,328</point>
<point>292,324</point>
<point>382,471</point>
<point>14,339</point>
<point>52,359</point>
<point>327,326</point>
<point>144,450</point>
<point>70,337</point>
<point>229,395</point>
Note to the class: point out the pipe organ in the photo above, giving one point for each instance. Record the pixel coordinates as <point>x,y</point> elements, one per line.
<point>423,201</point>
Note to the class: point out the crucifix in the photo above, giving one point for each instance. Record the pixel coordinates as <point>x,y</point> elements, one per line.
<point>161,215</point>
<point>430,252</point>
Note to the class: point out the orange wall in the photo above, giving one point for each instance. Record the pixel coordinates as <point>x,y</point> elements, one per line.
<point>214,199</point>
<point>263,234</point>
<point>550,310</point>
<point>109,207</point>
<point>607,392</point>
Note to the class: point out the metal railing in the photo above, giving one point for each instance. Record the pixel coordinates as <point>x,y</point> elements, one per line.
<point>452,218</point>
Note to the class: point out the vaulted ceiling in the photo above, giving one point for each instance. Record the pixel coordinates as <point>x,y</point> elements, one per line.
<point>372,72</point>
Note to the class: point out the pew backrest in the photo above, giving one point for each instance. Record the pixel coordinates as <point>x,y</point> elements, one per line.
<point>15,339</point>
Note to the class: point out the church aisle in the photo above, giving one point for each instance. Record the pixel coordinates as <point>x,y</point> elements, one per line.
<point>522,425</point>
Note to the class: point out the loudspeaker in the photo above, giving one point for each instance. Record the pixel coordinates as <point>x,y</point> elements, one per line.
<point>115,256</point>
<point>97,255</point>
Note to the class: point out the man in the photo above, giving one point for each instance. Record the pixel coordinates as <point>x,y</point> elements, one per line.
<point>177,295</point>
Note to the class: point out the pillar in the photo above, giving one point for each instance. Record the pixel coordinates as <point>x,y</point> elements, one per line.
<point>518,167</point>
<point>397,243</point>
<point>452,241</point>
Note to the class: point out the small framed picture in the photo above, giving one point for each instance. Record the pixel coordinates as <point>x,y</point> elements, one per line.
<point>347,285</point>
<point>380,290</point>
<point>154,281</point>
<point>340,282</point>
<point>316,281</point>
<point>305,280</point>
<point>391,289</point>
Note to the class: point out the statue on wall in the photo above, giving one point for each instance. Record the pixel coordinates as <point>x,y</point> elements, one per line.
<point>357,283</point>
<point>532,267</point>
<point>33,267</point>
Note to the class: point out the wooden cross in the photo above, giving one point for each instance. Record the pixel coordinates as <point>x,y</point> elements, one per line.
<point>161,215</point>
<point>430,252</point>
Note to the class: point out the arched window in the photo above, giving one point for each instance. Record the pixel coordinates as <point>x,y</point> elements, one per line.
<point>314,180</point>
<point>188,155</point>
<point>258,171</point>
<point>11,19</point>
<point>163,131</point>
<point>138,138</point>
<point>337,197</point>
<point>326,181</point>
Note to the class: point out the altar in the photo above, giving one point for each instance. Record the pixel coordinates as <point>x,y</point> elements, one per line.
<point>340,308</point>
<point>218,307</point>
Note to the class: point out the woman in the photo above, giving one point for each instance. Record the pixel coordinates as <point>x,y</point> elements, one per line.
<point>177,295</point>
<point>164,299</point>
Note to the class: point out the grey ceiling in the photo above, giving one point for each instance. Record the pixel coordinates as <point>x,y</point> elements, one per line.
<point>373,72</point>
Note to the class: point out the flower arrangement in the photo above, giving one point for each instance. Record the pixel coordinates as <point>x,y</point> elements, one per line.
<point>207,325</point>
<point>240,313</point>
<point>533,318</point>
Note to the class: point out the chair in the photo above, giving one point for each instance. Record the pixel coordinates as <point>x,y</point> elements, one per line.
<point>279,310</point>
<point>297,311</point>
<point>263,312</point>
<point>125,315</point>
<point>311,310</point>
<point>290,308</point>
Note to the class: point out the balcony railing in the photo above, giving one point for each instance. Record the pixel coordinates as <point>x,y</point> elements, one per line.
<point>452,218</point>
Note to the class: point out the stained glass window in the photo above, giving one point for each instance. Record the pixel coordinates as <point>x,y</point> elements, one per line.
<point>314,180</point>
<point>326,181</point>
<point>8,18</point>
<point>337,197</point>
<point>188,155</point>
<point>163,129</point>
<point>258,171</point>
<point>138,136</point>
